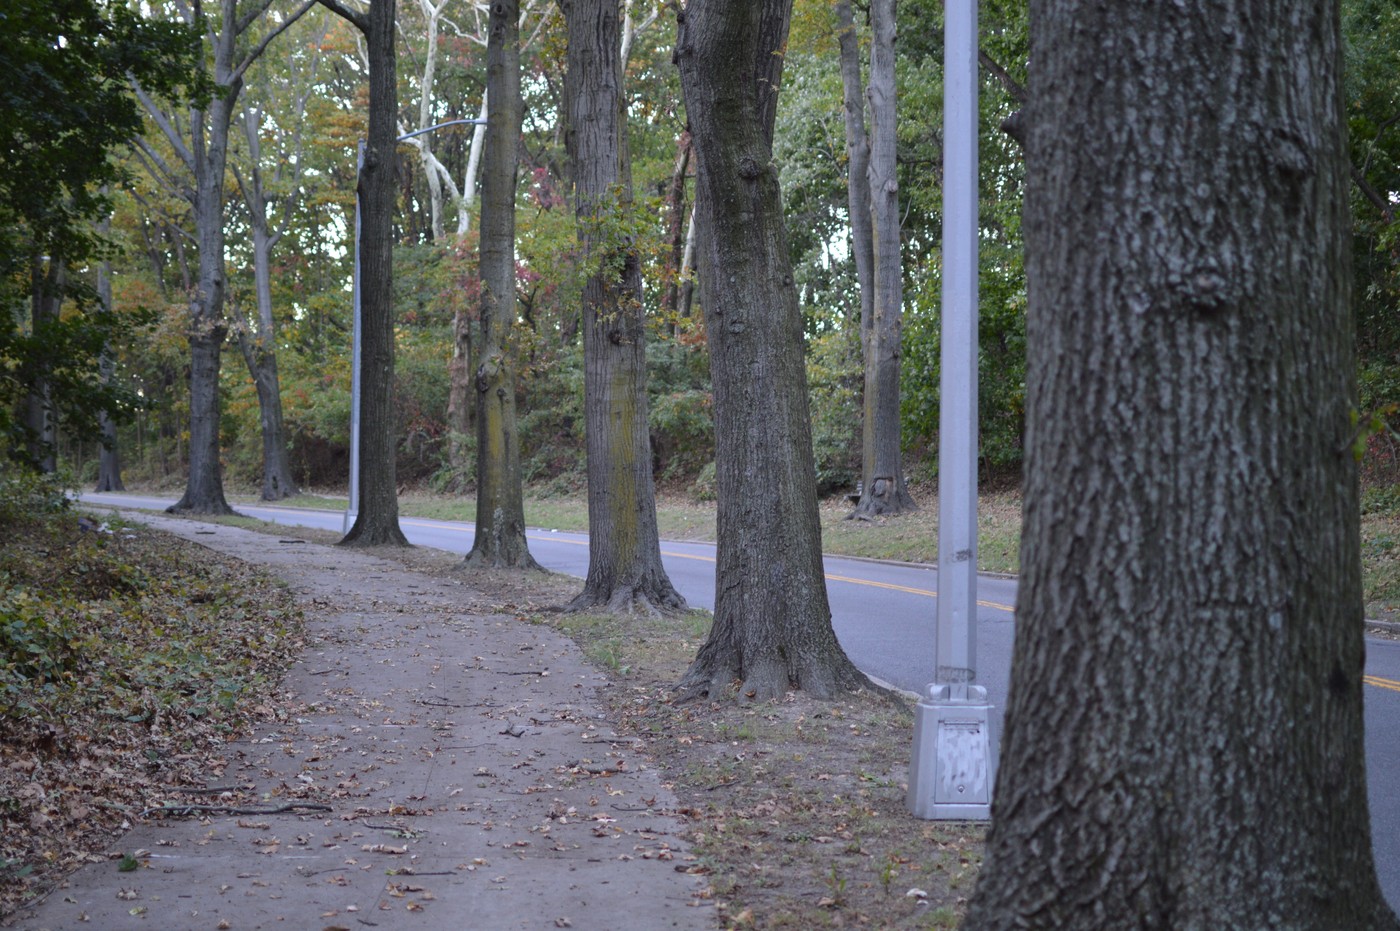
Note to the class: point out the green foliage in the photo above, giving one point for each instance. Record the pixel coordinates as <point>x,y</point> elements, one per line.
<point>835,378</point>
<point>65,105</point>
<point>26,496</point>
<point>85,628</point>
<point>680,411</point>
<point>1372,32</point>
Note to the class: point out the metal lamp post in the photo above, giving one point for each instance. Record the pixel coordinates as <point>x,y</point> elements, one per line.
<point>353,508</point>
<point>952,768</point>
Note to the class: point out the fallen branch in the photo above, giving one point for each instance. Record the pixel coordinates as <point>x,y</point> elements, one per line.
<point>186,810</point>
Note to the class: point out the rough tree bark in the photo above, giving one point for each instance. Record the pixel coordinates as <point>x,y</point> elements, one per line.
<point>883,489</point>
<point>377,522</point>
<point>1183,743</point>
<point>500,509</point>
<point>772,628</point>
<point>624,546</point>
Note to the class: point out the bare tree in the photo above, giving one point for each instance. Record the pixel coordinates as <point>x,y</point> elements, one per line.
<point>1183,743</point>
<point>772,628</point>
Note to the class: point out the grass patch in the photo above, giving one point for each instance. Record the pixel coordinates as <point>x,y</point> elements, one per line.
<point>127,659</point>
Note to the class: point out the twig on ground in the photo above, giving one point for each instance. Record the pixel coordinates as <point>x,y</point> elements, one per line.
<point>187,810</point>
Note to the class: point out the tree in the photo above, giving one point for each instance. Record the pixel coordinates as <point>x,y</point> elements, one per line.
<point>883,490</point>
<point>206,159</point>
<point>499,540</point>
<point>1183,743</point>
<point>64,108</point>
<point>772,627</point>
<point>258,343</point>
<point>624,546</point>
<point>377,522</point>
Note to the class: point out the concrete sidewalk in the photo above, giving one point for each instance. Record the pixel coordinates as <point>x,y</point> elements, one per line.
<point>471,780</point>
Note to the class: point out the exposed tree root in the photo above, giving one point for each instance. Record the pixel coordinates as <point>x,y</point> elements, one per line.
<point>650,601</point>
<point>722,674</point>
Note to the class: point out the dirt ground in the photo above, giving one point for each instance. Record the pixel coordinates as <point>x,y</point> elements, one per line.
<point>795,809</point>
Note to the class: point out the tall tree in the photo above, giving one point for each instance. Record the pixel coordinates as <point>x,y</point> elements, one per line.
<point>109,463</point>
<point>500,507</point>
<point>377,522</point>
<point>258,342</point>
<point>857,161</point>
<point>205,156</point>
<point>1183,742</point>
<point>624,546</point>
<point>883,490</point>
<point>64,107</point>
<point>772,627</point>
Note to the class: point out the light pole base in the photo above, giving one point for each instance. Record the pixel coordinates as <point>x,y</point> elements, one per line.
<point>952,769</point>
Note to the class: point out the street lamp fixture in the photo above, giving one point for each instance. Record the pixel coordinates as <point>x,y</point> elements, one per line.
<point>953,766</point>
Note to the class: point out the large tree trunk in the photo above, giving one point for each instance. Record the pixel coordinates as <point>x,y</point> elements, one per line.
<point>772,629</point>
<point>883,489</point>
<point>624,548</point>
<point>204,488</point>
<point>1183,743</point>
<point>377,522</point>
<point>500,509</point>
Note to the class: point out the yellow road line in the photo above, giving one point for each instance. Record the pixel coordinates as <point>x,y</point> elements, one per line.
<point>1380,683</point>
<point>995,606</point>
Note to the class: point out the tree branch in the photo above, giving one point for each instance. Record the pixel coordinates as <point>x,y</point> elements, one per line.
<point>261,46</point>
<point>1386,208</point>
<point>163,122</point>
<point>243,22</point>
<point>359,20</point>
<point>1012,86</point>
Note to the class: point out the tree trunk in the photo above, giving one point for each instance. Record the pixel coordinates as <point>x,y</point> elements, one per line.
<point>377,522</point>
<point>883,488</point>
<point>624,548</point>
<point>260,355</point>
<point>857,163</point>
<point>461,401</point>
<point>1183,743</point>
<point>40,417</point>
<point>772,629</point>
<point>500,510</point>
<point>204,488</point>
<point>278,482</point>
<point>677,213</point>
<point>109,463</point>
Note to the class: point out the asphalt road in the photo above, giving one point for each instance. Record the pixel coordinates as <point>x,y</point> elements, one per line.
<point>884,617</point>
